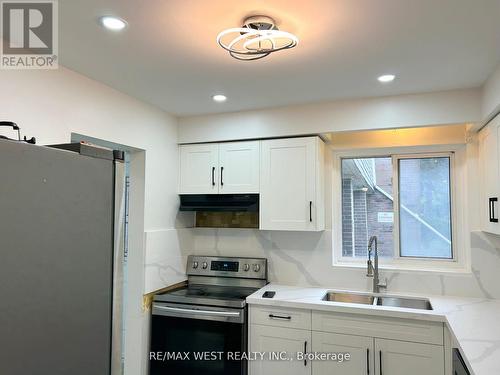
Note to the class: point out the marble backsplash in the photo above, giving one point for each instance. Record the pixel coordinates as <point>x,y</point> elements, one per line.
<point>305,259</point>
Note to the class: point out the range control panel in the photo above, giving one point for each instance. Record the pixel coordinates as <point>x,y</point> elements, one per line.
<point>249,268</point>
<point>219,265</point>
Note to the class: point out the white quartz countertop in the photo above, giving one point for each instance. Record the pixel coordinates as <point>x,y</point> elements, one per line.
<point>474,323</point>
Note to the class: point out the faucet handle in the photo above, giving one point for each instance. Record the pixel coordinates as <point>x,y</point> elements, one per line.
<point>369,268</point>
<point>383,284</point>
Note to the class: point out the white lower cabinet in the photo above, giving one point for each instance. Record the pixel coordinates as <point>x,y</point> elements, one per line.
<point>360,349</point>
<point>375,346</point>
<point>267,339</point>
<point>409,358</point>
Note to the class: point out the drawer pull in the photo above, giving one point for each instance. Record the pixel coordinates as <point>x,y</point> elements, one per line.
<point>368,361</point>
<point>272,316</point>
<point>305,352</point>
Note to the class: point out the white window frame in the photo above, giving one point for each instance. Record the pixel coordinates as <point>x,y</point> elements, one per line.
<point>460,235</point>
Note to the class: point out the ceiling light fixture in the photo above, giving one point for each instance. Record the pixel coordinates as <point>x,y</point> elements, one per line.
<point>113,23</point>
<point>219,98</point>
<point>257,38</point>
<point>386,78</point>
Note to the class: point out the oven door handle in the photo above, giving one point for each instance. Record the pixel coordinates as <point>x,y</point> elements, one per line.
<point>228,314</point>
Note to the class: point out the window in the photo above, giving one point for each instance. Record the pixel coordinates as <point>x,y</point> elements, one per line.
<point>405,200</point>
<point>425,207</point>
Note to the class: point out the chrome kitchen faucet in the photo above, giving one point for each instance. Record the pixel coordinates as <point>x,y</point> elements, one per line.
<point>371,270</point>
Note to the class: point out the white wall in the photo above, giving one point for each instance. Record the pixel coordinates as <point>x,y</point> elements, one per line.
<point>440,108</point>
<point>305,259</point>
<point>491,95</point>
<point>51,105</point>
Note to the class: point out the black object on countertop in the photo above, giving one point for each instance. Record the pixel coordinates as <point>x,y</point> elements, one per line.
<point>268,294</point>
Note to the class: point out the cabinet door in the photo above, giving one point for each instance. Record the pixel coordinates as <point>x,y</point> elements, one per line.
<point>266,339</point>
<point>199,169</point>
<point>290,184</point>
<point>239,167</point>
<point>489,141</point>
<point>398,357</point>
<point>360,349</point>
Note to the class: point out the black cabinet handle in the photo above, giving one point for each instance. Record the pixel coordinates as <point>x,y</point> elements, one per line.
<point>272,316</point>
<point>380,360</point>
<point>213,176</point>
<point>492,202</point>
<point>310,211</point>
<point>367,361</point>
<point>221,181</point>
<point>305,352</point>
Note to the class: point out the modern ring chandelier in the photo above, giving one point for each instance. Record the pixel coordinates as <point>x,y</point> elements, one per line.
<point>257,38</point>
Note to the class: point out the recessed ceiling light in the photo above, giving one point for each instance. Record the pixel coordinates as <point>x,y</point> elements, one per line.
<point>386,78</point>
<point>219,98</point>
<point>113,23</point>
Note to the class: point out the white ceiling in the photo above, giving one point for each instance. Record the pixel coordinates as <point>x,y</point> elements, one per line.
<point>168,55</point>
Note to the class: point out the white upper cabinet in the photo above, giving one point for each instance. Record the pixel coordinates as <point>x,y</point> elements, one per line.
<point>287,173</point>
<point>239,167</point>
<point>489,158</point>
<point>219,168</point>
<point>198,170</point>
<point>291,184</point>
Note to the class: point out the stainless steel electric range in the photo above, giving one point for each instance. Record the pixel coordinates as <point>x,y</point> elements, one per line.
<point>202,328</point>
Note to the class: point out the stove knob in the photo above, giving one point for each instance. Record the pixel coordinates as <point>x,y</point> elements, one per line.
<point>246,267</point>
<point>195,265</point>
<point>204,265</point>
<point>256,267</point>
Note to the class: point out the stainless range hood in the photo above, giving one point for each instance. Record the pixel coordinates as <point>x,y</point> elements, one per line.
<point>220,202</point>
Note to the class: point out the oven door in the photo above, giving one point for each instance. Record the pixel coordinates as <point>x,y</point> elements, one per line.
<point>192,339</point>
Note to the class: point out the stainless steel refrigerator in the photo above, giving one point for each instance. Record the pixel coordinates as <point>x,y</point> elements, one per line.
<point>61,253</point>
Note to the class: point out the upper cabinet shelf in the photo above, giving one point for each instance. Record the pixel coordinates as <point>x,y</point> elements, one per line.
<point>287,173</point>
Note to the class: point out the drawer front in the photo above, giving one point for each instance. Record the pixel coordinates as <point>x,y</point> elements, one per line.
<point>389,328</point>
<point>280,317</point>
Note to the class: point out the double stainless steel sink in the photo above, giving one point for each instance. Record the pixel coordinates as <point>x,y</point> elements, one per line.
<point>369,299</point>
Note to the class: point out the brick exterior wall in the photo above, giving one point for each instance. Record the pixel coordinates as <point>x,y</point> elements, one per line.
<point>360,223</point>
<point>383,173</point>
<point>377,202</point>
<point>360,214</point>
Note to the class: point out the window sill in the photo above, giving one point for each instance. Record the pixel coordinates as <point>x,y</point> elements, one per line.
<point>408,268</point>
